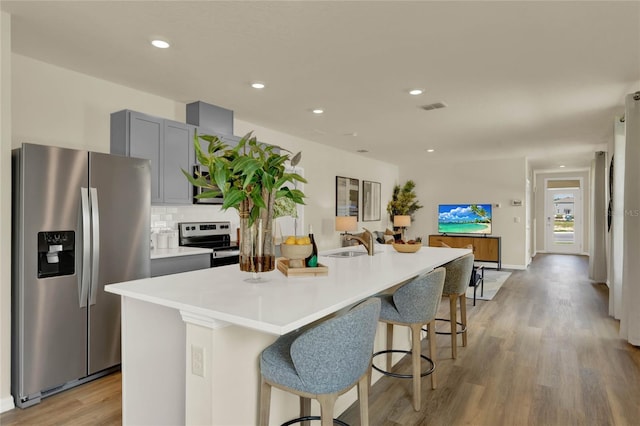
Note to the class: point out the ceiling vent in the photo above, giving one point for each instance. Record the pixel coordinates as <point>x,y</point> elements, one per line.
<point>435,105</point>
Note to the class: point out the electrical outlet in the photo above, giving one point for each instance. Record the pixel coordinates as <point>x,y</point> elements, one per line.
<point>197,360</point>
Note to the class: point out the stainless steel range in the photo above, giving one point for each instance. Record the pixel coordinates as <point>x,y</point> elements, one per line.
<point>213,235</point>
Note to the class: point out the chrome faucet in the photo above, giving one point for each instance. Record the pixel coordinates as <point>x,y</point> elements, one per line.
<point>366,240</point>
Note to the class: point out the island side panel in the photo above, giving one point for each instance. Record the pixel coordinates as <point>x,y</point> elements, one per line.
<point>153,360</point>
<point>227,392</point>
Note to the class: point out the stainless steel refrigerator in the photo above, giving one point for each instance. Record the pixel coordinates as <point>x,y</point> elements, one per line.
<point>80,221</point>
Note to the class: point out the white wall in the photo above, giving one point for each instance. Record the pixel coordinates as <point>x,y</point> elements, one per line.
<point>490,181</point>
<point>5,212</point>
<point>321,165</point>
<point>55,106</point>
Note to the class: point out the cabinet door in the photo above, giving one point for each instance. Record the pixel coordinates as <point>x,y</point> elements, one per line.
<point>230,140</point>
<point>487,249</point>
<point>145,141</point>
<point>178,155</point>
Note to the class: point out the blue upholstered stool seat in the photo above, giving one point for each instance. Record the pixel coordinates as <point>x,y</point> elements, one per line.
<point>323,362</point>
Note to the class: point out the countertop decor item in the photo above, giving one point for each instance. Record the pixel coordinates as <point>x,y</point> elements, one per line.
<point>407,248</point>
<point>296,253</point>
<point>285,267</point>
<point>250,177</point>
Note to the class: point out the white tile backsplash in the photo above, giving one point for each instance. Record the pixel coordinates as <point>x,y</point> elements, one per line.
<point>169,217</point>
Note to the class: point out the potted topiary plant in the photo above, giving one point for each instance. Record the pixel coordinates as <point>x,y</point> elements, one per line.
<point>250,176</point>
<point>403,201</point>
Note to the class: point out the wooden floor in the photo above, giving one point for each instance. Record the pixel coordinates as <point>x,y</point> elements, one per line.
<point>543,352</point>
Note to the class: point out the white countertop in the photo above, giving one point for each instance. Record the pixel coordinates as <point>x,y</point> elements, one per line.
<point>283,304</point>
<point>180,251</point>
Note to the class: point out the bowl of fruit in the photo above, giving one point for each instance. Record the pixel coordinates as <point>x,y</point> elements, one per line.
<point>410,246</point>
<point>296,249</point>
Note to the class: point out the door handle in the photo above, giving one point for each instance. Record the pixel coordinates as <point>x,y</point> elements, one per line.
<point>86,247</point>
<point>95,237</point>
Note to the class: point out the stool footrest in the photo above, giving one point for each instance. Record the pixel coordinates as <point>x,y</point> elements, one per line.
<point>307,418</point>
<point>463,328</point>
<point>403,376</point>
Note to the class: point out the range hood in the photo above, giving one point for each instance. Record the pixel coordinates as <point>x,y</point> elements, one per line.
<point>210,117</point>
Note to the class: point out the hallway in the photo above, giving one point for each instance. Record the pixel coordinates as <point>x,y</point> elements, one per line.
<point>543,352</point>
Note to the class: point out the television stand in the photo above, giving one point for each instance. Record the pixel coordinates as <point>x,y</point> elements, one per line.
<point>485,248</point>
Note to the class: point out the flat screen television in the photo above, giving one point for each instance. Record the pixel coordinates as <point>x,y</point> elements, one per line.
<point>464,218</point>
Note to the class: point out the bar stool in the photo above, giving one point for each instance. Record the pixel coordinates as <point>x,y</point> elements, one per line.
<point>413,305</point>
<point>322,363</point>
<point>455,286</point>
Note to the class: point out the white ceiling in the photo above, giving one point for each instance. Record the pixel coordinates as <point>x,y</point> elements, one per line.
<point>542,80</point>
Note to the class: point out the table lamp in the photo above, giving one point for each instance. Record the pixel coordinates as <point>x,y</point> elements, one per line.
<point>402,221</point>
<point>346,224</point>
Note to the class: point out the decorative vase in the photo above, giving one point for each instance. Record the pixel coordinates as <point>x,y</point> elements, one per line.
<point>257,248</point>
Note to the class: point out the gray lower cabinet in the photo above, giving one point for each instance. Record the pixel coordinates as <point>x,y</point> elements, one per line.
<point>177,264</point>
<point>167,144</point>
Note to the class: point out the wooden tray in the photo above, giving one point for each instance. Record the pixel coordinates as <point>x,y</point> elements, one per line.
<point>283,266</point>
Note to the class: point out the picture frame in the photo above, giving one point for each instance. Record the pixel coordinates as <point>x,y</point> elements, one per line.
<point>371,201</point>
<point>347,196</point>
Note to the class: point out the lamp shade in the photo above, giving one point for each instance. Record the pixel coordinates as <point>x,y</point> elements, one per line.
<point>346,223</point>
<point>402,220</point>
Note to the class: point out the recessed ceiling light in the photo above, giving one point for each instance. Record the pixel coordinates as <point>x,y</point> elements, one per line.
<point>318,111</point>
<point>561,166</point>
<point>415,92</point>
<point>257,85</point>
<point>430,150</point>
<point>160,44</point>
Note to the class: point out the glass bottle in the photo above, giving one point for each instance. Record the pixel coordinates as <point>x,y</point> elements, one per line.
<point>312,260</point>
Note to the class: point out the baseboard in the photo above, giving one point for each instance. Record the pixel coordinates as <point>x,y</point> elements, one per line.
<point>516,267</point>
<point>6,404</point>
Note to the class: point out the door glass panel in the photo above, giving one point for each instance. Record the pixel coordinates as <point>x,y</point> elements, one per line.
<point>563,223</point>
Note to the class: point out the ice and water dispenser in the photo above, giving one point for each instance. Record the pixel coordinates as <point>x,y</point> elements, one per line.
<point>56,253</point>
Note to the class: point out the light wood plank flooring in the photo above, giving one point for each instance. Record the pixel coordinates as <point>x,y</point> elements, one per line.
<point>543,352</point>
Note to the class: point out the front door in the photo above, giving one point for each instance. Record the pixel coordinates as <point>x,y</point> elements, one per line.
<point>563,220</point>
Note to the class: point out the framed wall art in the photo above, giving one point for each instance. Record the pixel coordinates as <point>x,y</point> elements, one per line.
<point>347,196</point>
<point>370,201</point>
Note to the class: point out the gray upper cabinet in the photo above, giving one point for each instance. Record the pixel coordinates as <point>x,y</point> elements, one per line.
<point>168,144</point>
<point>230,140</point>
<point>178,155</point>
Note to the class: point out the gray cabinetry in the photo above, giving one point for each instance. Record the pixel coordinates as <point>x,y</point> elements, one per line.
<point>175,265</point>
<point>167,144</point>
<point>230,140</point>
<point>178,155</point>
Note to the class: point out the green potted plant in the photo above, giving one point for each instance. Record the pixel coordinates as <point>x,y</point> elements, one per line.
<point>251,178</point>
<point>403,201</point>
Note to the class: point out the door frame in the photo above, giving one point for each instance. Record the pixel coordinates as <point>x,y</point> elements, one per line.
<point>579,214</point>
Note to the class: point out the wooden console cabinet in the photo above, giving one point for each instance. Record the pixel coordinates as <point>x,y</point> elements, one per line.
<point>485,248</point>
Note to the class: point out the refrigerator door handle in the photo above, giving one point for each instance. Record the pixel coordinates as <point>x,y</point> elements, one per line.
<point>95,255</point>
<point>86,247</point>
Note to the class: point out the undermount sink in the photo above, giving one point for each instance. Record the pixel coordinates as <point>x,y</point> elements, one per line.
<point>349,253</point>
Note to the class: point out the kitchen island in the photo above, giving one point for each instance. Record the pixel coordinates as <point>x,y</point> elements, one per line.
<point>190,341</point>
